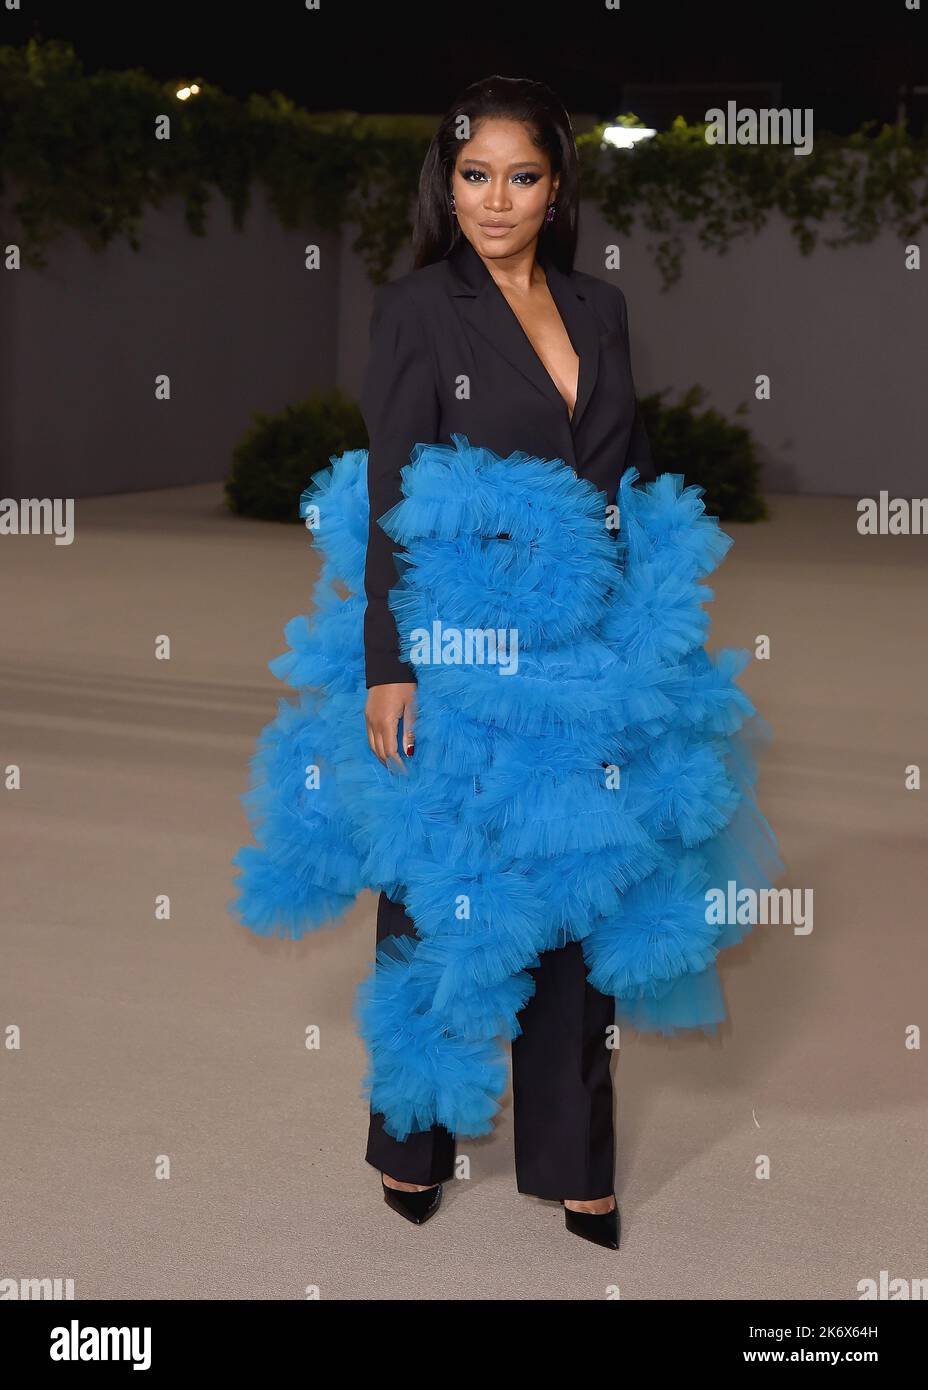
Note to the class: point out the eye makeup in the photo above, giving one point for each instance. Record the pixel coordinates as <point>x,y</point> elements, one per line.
<point>526,174</point>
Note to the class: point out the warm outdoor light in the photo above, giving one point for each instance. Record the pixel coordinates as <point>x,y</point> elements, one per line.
<point>184,93</point>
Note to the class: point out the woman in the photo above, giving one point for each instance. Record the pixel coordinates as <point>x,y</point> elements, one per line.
<point>524,889</point>
<point>545,353</point>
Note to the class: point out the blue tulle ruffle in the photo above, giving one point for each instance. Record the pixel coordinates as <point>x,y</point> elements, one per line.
<point>595,792</point>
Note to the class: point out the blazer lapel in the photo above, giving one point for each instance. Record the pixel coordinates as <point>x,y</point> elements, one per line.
<point>488,312</point>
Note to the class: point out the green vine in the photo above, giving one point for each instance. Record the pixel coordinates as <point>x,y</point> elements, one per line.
<point>79,152</point>
<point>857,185</point>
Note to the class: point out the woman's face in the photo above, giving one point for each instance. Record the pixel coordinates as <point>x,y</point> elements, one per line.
<point>501,178</point>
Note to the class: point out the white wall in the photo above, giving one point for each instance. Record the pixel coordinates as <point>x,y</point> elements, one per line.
<point>233,318</point>
<point>241,326</point>
<point>842,334</point>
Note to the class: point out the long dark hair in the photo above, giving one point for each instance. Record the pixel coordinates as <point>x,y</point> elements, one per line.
<point>510,98</point>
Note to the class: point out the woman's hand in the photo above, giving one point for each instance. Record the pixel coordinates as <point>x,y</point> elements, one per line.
<point>386,705</point>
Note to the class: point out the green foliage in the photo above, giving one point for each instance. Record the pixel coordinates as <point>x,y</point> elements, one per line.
<point>851,186</point>
<point>82,153</point>
<point>279,454</point>
<point>709,451</point>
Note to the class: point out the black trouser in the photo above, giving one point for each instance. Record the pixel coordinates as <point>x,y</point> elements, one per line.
<point>561,1087</point>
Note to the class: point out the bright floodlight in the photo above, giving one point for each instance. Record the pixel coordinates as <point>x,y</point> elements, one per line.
<point>623,136</point>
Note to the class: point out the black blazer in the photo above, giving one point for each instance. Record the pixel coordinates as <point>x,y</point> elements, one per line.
<point>448,355</point>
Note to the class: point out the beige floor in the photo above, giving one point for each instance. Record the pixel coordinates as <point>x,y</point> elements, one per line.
<point>142,1038</point>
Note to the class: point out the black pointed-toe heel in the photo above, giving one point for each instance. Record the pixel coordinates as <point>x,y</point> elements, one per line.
<point>601,1228</point>
<point>415,1206</point>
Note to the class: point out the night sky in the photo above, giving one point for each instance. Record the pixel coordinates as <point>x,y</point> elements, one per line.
<point>847,61</point>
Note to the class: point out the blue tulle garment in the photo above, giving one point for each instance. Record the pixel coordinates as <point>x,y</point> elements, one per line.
<point>583,769</point>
